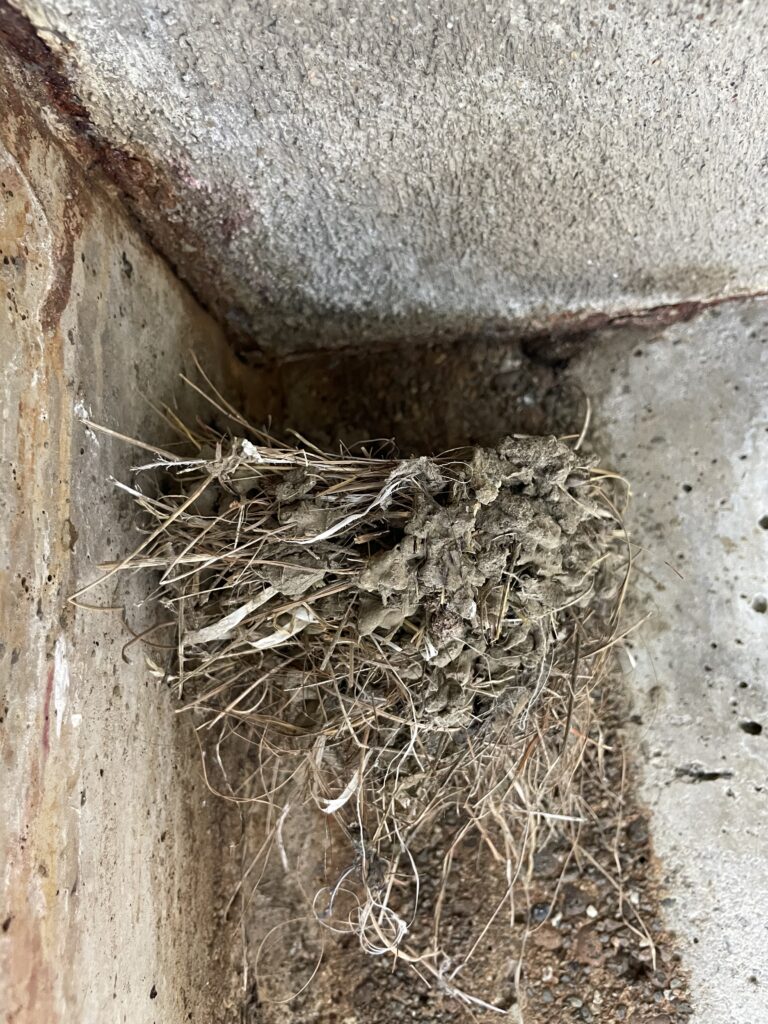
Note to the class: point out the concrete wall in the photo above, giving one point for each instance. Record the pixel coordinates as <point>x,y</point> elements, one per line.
<point>325,171</point>
<point>685,415</point>
<point>112,856</point>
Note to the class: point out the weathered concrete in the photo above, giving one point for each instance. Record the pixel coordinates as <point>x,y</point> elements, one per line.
<point>112,855</point>
<point>685,416</point>
<point>338,170</point>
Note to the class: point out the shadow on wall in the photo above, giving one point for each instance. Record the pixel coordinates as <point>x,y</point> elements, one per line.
<point>432,396</point>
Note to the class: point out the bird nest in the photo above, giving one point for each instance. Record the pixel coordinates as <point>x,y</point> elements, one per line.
<point>403,641</point>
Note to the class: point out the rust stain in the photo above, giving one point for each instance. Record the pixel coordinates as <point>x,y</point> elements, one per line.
<point>58,293</point>
<point>20,37</point>
<point>552,339</point>
<point>39,236</point>
<point>573,329</point>
<point>47,713</point>
<point>29,969</point>
<point>141,185</point>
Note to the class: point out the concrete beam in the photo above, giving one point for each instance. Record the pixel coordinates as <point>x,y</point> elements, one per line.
<point>351,171</point>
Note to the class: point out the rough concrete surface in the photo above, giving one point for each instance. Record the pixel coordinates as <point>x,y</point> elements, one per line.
<point>685,417</point>
<point>112,853</point>
<point>326,171</point>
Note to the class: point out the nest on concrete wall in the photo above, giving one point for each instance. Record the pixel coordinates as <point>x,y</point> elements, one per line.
<point>400,639</point>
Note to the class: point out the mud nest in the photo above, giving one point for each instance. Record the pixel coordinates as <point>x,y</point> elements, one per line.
<point>403,641</point>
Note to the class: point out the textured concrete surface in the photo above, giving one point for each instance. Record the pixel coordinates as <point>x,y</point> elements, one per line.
<point>685,416</point>
<point>112,853</point>
<point>323,171</point>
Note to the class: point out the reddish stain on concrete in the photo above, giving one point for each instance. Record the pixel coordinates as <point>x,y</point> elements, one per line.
<point>47,712</point>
